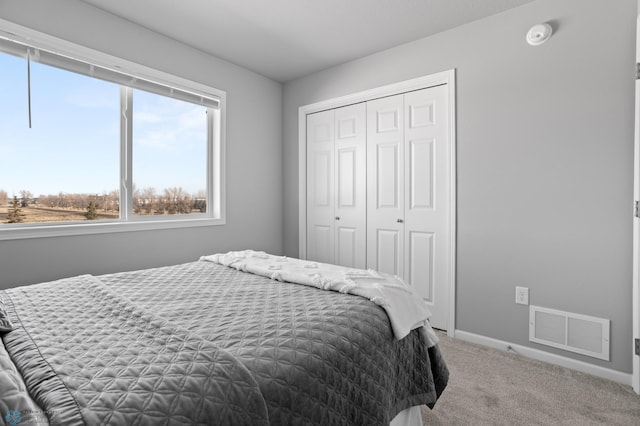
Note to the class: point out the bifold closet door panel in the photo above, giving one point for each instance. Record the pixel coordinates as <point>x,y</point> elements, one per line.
<point>336,186</point>
<point>350,186</point>
<point>320,186</point>
<point>385,184</point>
<point>426,193</point>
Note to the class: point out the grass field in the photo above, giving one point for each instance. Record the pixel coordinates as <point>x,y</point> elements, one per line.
<point>34,214</point>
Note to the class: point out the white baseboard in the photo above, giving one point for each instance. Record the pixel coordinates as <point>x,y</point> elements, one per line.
<point>594,370</point>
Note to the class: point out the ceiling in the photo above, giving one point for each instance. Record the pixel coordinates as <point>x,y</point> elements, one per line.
<point>287,39</point>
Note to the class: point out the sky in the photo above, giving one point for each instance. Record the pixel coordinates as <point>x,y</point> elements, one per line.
<point>74,143</point>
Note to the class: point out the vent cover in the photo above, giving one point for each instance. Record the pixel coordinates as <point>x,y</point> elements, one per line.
<point>572,332</point>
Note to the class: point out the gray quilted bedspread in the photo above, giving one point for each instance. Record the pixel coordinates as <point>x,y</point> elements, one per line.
<point>90,357</point>
<point>200,343</point>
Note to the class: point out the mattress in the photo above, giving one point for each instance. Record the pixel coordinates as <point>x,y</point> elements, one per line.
<point>202,343</point>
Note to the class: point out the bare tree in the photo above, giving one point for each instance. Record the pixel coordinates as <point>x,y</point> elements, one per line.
<point>4,197</point>
<point>144,200</point>
<point>61,200</point>
<point>26,197</point>
<point>79,201</point>
<point>178,200</point>
<point>110,201</point>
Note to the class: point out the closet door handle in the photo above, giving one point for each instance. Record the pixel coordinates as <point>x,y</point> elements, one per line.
<point>399,220</point>
<point>337,217</point>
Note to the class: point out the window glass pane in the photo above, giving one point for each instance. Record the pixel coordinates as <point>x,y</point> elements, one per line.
<point>169,155</point>
<point>66,167</point>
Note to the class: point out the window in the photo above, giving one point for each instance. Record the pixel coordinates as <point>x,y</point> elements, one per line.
<point>169,155</point>
<point>88,148</point>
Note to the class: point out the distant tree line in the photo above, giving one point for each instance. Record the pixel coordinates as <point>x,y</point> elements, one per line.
<point>146,201</point>
<point>171,201</point>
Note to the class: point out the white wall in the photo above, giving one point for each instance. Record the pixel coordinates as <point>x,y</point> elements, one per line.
<point>254,154</point>
<point>544,161</point>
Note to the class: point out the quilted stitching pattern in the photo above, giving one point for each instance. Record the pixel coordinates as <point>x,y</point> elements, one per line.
<point>319,357</point>
<point>5,323</point>
<point>124,365</point>
<point>13,391</point>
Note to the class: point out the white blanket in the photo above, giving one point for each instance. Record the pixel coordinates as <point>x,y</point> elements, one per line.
<point>405,308</point>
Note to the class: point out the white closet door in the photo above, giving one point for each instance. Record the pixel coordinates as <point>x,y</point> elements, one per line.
<point>427,216</point>
<point>385,194</point>
<point>320,186</point>
<point>403,162</point>
<point>350,186</point>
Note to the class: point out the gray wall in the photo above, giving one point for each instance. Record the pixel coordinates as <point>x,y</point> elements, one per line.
<point>254,154</point>
<point>544,161</point>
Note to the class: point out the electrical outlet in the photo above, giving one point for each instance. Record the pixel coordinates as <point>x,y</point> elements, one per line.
<point>522,295</point>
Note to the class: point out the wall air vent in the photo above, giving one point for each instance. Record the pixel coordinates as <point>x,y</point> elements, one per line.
<point>572,332</point>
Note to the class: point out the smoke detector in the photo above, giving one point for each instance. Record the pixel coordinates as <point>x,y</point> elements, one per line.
<point>538,34</point>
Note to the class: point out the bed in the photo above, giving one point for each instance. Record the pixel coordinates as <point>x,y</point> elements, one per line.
<point>217,341</point>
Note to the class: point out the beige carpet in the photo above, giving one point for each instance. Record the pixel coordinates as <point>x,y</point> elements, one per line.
<point>491,387</point>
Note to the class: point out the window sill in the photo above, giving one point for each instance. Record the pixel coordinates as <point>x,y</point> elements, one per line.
<point>26,231</point>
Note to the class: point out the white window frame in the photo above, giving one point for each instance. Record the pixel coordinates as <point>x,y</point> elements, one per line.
<point>216,198</point>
